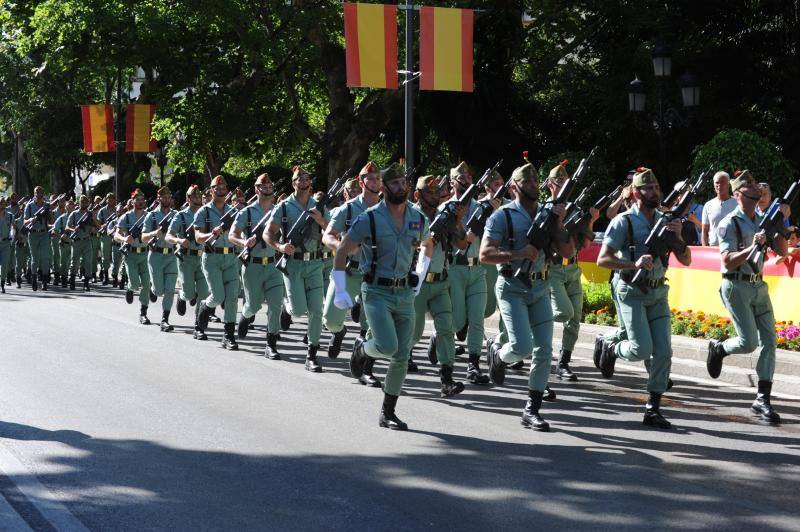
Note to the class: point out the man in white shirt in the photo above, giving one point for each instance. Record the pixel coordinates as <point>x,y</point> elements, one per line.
<point>716,209</point>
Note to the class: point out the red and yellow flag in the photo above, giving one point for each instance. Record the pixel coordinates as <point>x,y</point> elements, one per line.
<point>445,49</point>
<point>98,128</point>
<point>138,135</point>
<point>370,35</point>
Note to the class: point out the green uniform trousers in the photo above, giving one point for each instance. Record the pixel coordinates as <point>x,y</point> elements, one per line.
<point>95,253</point>
<point>566,298</point>
<point>751,312</point>
<point>222,276</point>
<point>138,275</point>
<point>55,253</point>
<point>263,283</point>
<point>21,257</point>
<point>304,293</point>
<point>468,295</point>
<point>65,255</point>
<point>528,317</point>
<point>5,259</point>
<point>435,298</point>
<point>647,321</point>
<point>39,244</point>
<point>106,251</point>
<point>81,256</point>
<point>193,282</point>
<point>491,282</point>
<point>619,333</point>
<point>332,316</point>
<point>163,276</point>
<point>390,314</point>
<point>327,268</point>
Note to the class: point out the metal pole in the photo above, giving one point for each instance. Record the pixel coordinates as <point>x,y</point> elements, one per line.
<point>17,182</point>
<point>409,88</point>
<point>118,134</point>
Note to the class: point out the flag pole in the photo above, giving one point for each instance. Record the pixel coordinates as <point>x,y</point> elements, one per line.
<point>118,134</point>
<point>409,86</point>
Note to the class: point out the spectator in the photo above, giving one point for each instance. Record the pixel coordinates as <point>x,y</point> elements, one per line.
<point>716,209</point>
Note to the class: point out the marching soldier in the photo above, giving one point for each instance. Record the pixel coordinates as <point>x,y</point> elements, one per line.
<point>21,254</point>
<point>14,210</point>
<point>55,243</point>
<point>523,295</point>
<point>193,286</point>
<point>6,223</point>
<point>434,296</point>
<point>744,291</point>
<point>106,248</point>
<point>136,254</point>
<point>219,263</point>
<point>644,309</point>
<point>262,281</point>
<point>95,205</point>
<point>161,262</point>
<point>81,224</point>
<point>303,277</point>
<point>64,242</point>
<point>38,239</point>
<point>342,218</point>
<point>388,234</point>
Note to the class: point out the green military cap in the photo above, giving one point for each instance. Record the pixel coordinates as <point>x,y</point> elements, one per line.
<point>643,176</point>
<point>526,171</point>
<point>370,168</point>
<point>299,171</point>
<point>391,172</point>
<point>427,182</point>
<point>740,179</point>
<point>352,183</point>
<point>461,169</point>
<point>559,171</point>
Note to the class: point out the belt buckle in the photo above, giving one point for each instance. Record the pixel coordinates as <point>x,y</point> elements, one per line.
<point>564,262</point>
<point>753,278</point>
<point>164,251</point>
<point>264,261</point>
<point>429,277</point>
<point>306,256</point>
<point>199,252</point>
<point>225,251</point>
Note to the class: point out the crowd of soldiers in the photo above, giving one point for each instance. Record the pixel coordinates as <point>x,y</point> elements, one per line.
<point>386,249</point>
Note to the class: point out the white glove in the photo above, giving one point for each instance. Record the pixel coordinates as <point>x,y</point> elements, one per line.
<point>341,298</point>
<point>423,263</point>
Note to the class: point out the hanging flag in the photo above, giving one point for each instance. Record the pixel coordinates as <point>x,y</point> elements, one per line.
<point>370,37</point>
<point>445,49</point>
<point>98,128</point>
<point>138,135</point>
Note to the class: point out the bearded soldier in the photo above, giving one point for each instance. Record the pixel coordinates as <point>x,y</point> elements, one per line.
<point>161,262</point>
<point>38,238</point>
<point>81,225</point>
<point>129,234</point>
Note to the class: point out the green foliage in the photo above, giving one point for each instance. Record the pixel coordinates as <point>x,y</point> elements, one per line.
<point>597,296</point>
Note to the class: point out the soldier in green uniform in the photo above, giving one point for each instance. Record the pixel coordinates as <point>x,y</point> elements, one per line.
<point>136,255</point>
<point>6,224</point>
<point>64,242</point>
<point>388,234</point>
<point>21,254</point>
<point>434,296</point>
<point>55,242</point>
<point>13,209</point>
<point>566,291</point>
<point>745,293</point>
<point>342,218</point>
<point>106,249</point>
<point>193,285</point>
<point>119,277</point>
<point>38,238</point>
<point>95,205</point>
<point>303,277</point>
<point>220,266</point>
<point>161,262</point>
<point>263,283</point>
<point>81,224</point>
<point>524,296</point>
<point>644,308</point>
<point>327,255</point>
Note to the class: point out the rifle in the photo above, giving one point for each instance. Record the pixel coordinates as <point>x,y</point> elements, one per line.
<point>227,221</point>
<point>577,222</point>
<point>480,216</point>
<point>675,193</point>
<point>661,242</point>
<point>163,225</point>
<point>772,225</point>
<point>298,233</point>
<point>43,211</point>
<point>83,220</point>
<point>544,232</point>
<point>445,221</point>
<point>258,230</point>
<point>136,230</point>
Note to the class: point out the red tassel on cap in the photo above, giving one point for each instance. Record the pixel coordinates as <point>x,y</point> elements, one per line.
<point>525,155</point>
<point>640,169</point>
<point>737,172</point>
<point>563,163</point>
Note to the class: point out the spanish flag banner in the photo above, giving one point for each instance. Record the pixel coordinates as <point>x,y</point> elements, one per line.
<point>445,49</point>
<point>370,35</point>
<point>98,128</point>
<point>138,136</point>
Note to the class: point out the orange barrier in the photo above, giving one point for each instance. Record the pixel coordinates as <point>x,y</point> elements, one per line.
<point>697,287</point>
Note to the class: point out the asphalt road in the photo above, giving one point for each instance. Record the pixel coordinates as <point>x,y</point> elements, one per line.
<point>107,424</point>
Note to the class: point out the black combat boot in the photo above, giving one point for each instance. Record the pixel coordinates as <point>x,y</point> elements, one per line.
<point>212,315</point>
<point>305,339</point>
<point>85,284</point>
<point>432,358</point>
<point>358,358</point>
<point>608,358</point>
<point>311,359</point>
<point>153,297</point>
<point>563,371</point>
<point>129,296</point>
<point>652,413</point>
<point>104,276</point>
<point>193,301</point>
<point>181,306</point>
<point>530,415</point>
<point>143,316</point>
<point>244,325</point>
<point>165,326</point>
<point>72,282</point>
<point>762,405</point>
<point>449,386</point>
<point>114,282</point>
<point>123,282</point>
<point>335,345</point>
<point>599,340</point>
<point>497,368</point>
<point>203,313</point>
<point>462,333</point>
<point>34,282</point>
<point>474,373</point>
<point>355,312</point>
<point>229,339</point>
<point>367,378</point>
<point>271,350</point>
<point>2,286</point>
<point>286,319</point>
<point>387,417</point>
<point>19,281</point>
<point>548,394</point>
<point>64,280</point>
<point>715,355</point>
<point>199,334</point>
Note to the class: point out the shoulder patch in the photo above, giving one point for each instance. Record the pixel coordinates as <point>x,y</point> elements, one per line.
<point>414,226</point>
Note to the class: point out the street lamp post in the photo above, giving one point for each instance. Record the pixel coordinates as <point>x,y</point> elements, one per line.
<point>161,161</point>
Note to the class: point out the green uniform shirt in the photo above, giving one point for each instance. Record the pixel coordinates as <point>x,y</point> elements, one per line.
<point>129,220</point>
<point>438,255</point>
<point>31,209</point>
<point>86,229</point>
<point>182,221</point>
<point>729,239</point>
<point>208,217</point>
<point>6,222</point>
<point>497,229</point>
<point>246,220</point>
<point>616,237</point>
<point>104,214</point>
<point>60,225</point>
<point>289,210</point>
<point>151,222</point>
<point>396,248</point>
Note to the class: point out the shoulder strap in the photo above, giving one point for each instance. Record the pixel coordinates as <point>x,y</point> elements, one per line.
<point>284,221</point>
<point>739,239</point>
<point>509,227</point>
<point>348,220</point>
<point>373,267</point>
<point>631,243</point>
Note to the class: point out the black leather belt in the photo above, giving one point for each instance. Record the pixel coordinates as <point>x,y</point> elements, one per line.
<point>262,260</point>
<point>80,239</point>
<point>352,264</point>
<point>162,251</point>
<point>37,230</point>
<point>138,251</point>
<point>221,251</point>
<point>567,262</point>
<point>750,278</point>
<point>397,282</point>
<point>194,252</point>
<point>649,283</point>
<point>537,276</point>
<point>461,260</point>
<point>436,277</point>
